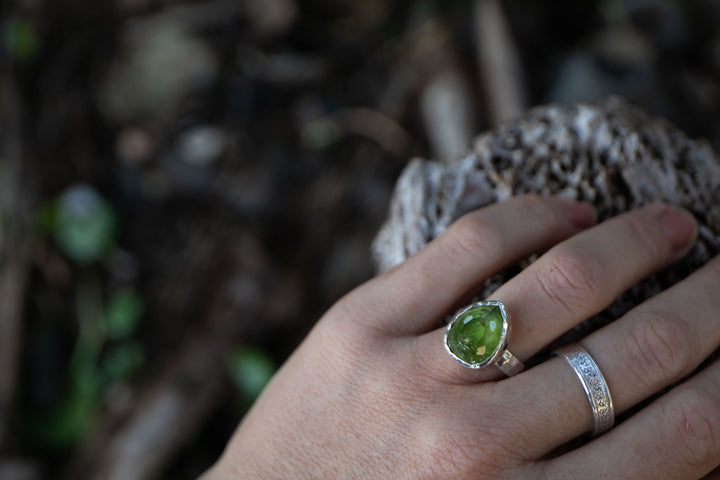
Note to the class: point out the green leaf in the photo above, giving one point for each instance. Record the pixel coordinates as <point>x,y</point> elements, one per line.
<point>84,226</point>
<point>250,370</point>
<point>123,313</point>
<point>44,220</point>
<point>21,39</point>
<point>66,425</point>
<point>122,361</point>
<point>91,322</point>
<point>320,134</point>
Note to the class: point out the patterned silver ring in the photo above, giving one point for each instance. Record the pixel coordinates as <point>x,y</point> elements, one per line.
<point>594,383</point>
<point>477,337</point>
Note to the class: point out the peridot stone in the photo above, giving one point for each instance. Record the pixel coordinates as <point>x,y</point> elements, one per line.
<point>476,333</point>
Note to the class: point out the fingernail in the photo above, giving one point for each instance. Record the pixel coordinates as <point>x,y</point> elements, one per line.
<point>680,227</point>
<point>582,214</point>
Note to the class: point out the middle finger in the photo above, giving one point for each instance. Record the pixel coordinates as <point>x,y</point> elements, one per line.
<point>577,279</point>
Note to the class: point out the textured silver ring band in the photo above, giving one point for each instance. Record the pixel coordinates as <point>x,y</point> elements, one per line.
<point>594,383</point>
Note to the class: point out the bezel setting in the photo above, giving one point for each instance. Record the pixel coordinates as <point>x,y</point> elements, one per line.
<point>504,334</point>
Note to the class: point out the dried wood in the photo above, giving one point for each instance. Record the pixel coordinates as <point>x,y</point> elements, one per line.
<point>499,62</point>
<point>376,126</point>
<point>426,66</point>
<point>448,113</point>
<point>610,153</point>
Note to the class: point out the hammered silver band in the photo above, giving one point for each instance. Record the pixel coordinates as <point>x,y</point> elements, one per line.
<point>594,383</point>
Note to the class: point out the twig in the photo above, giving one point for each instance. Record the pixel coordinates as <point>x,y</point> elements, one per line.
<point>498,61</point>
<point>375,125</point>
<point>429,67</point>
<point>448,114</point>
<point>13,246</point>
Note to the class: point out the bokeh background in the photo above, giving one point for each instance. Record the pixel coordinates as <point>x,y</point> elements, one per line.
<point>186,186</point>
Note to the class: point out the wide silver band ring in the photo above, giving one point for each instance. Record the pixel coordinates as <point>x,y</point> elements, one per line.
<point>477,337</point>
<point>595,386</point>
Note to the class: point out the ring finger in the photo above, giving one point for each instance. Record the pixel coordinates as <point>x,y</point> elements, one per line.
<point>576,279</point>
<point>652,346</point>
<point>674,437</point>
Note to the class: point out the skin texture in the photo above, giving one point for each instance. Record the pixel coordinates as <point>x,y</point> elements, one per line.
<point>371,392</point>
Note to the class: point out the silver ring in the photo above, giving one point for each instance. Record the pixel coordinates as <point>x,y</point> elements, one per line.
<point>594,383</point>
<point>477,337</point>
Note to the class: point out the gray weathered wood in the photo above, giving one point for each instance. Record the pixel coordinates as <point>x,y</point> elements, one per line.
<point>611,154</point>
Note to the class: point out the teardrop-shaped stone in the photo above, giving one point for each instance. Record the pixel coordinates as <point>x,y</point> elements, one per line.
<point>476,333</point>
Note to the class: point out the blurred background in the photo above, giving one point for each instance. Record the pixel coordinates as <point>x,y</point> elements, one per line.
<point>186,186</point>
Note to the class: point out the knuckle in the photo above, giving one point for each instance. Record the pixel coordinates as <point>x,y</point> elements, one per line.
<point>657,347</point>
<point>471,235</point>
<point>485,449</point>
<point>694,425</point>
<point>447,456</point>
<point>645,236</point>
<point>571,280</point>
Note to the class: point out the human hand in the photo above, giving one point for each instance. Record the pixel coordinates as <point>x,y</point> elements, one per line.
<point>371,392</point>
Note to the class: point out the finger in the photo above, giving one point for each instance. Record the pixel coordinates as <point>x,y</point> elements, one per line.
<point>412,297</point>
<point>678,436</point>
<point>584,274</point>
<point>654,345</point>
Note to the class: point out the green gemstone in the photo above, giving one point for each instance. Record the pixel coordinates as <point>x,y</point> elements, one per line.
<point>476,333</point>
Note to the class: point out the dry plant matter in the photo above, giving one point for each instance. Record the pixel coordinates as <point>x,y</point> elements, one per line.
<point>610,153</point>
